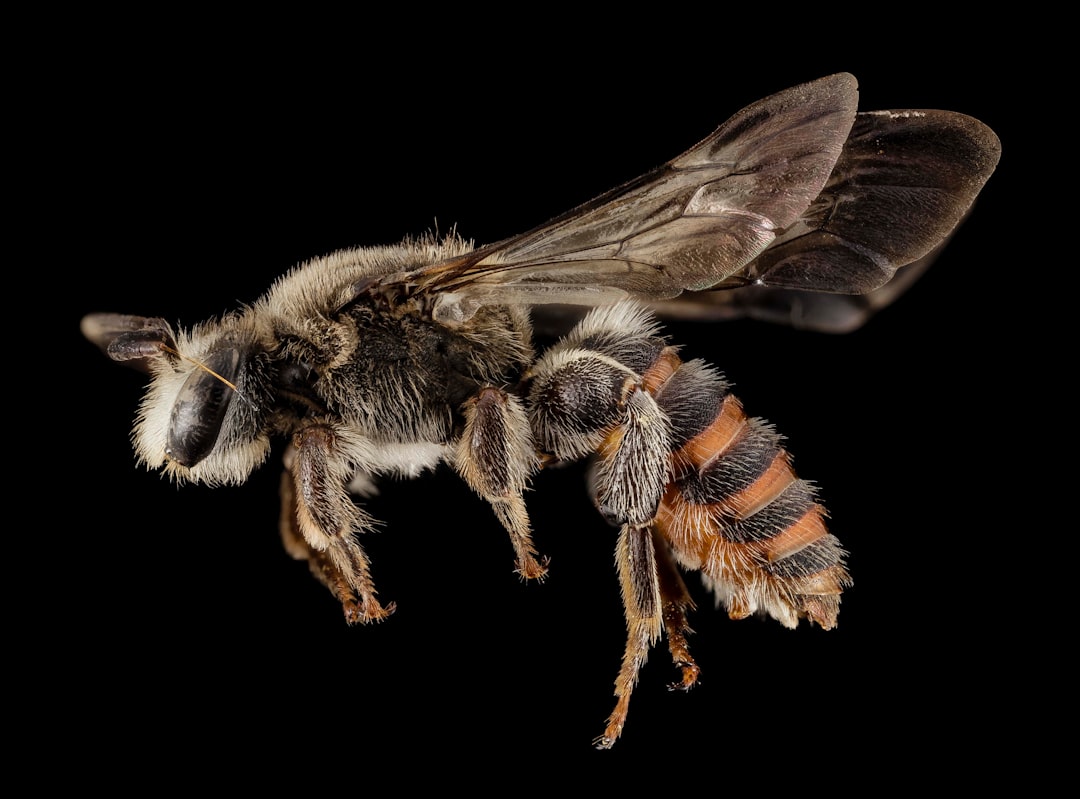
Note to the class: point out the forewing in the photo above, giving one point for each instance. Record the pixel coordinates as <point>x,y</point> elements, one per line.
<point>692,224</point>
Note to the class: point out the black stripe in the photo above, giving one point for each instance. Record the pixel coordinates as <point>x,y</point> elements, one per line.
<point>692,400</point>
<point>811,559</point>
<point>748,457</point>
<point>773,519</point>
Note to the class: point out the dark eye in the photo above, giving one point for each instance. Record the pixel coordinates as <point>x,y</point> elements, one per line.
<point>297,375</point>
<point>200,407</point>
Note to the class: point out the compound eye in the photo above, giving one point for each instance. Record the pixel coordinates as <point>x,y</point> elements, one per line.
<point>297,375</point>
<point>200,407</point>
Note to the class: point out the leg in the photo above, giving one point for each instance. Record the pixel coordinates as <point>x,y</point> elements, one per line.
<point>582,401</point>
<point>294,542</point>
<point>676,602</point>
<point>635,557</point>
<point>320,521</point>
<point>496,456</point>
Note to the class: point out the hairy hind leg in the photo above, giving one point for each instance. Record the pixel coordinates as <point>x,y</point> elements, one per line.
<point>654,598</point>
<point>676,603</point>
<point>635,558</point>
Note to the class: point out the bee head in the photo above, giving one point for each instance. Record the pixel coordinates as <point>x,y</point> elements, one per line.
<point>203,417</point>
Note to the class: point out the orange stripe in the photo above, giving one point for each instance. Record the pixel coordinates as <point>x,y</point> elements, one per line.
<point>767,487</point>
<point>661,370</point>
<point>691,527</point>
<point>804,531</point>
<point>711,442</point>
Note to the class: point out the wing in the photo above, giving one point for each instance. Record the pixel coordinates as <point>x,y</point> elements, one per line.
<point>795,192</point>
<point>904,182</point>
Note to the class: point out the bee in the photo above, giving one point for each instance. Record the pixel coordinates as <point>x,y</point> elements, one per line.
<point>390,361</point>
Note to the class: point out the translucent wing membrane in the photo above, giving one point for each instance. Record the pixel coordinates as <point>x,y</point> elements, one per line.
<point>902,184</point>
<point>795,192</point>
<point>694,221</point>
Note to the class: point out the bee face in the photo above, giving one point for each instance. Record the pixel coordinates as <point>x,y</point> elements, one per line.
<point>204,418</point>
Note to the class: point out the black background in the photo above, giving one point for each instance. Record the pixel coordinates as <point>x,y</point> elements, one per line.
<point>194,174</point>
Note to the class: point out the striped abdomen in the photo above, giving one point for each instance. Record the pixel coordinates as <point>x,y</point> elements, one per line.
<point>677,454</point>
<point>735,509</point>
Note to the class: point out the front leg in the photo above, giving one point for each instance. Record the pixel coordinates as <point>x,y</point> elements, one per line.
<point>320,521</point>
<point>496,456</point>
